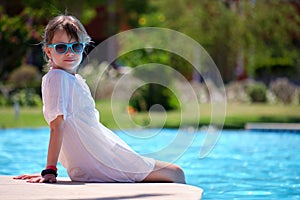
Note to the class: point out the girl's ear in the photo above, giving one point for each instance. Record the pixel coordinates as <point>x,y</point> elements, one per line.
<point>48,53</point>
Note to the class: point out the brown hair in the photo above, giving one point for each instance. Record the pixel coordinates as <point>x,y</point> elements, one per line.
<point>70,24</point>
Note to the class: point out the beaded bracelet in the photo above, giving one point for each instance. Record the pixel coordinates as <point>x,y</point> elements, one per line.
<point>49,171</point>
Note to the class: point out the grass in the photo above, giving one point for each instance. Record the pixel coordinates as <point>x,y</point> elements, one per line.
<point>237,115</point>
<point>28,117</point>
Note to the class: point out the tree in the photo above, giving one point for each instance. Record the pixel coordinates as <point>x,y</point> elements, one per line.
<point>22,24</point>
<point>208,22</point>
<point>275,30</point>
<point>257,36</point>
<point>14,38</point>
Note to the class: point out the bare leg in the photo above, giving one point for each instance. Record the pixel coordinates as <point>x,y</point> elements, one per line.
<point>166,172</point>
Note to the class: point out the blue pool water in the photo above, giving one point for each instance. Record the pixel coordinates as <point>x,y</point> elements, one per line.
<point>243,164</point>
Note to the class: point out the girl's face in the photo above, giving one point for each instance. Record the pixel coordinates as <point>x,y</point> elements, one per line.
<point>68,61</point>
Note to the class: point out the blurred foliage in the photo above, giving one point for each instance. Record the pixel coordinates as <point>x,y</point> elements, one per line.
<point>15,36</point>
<point>25,83</point>
<point>153,94</point>
<point>158,78</point>
<point>152,55</point>
<point>3,101</point>
<point>257,92</point>
<point>276,27</point>
<point>22,24</point>
<point>144,56</point>
<point>26,76</point>
<point>26,97</point>
<point>83,10</point>
<point>133,9</point>
<point>262,36</point>
<point>156,89</point>
<point>284,90</point>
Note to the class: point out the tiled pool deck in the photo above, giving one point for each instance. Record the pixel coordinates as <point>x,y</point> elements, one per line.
<point>11,189</point>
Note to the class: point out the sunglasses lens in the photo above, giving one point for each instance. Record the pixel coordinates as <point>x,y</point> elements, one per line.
<point>77,47</point>
<point>61,48</point>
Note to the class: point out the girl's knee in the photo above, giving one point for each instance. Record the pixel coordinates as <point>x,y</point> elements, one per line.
<point>166,172</point>
<point>178,175</point>
<point>177,169</point>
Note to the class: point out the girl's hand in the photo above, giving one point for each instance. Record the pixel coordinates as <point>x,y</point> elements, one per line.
<point>48,178</point>
<point>26,176</point>
<point>34,178</point>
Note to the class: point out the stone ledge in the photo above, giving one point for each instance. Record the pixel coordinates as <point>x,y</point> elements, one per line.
<point>273,126</point>
<point>65,189</point>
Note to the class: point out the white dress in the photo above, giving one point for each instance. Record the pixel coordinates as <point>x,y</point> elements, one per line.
<point>90,152</point>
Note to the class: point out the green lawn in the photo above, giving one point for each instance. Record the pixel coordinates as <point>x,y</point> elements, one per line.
<point>236,116</point>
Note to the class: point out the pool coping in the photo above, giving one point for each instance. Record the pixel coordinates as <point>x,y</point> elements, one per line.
<point>66,189</point>
<point>273,126</point>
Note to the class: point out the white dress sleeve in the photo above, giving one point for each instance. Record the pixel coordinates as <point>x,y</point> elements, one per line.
<point>55,94</point>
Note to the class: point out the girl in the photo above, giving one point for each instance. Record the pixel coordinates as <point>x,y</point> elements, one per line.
<point>89,151</point>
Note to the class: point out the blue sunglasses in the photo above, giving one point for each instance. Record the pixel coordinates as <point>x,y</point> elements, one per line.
<point>62,48</point>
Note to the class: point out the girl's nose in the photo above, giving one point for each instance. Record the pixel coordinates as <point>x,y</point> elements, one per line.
<point>69,51</point>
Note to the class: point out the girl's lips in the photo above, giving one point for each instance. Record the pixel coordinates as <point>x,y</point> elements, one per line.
<point>69,60</point>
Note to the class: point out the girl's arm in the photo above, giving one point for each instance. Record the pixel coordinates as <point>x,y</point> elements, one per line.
<point>56,137</point>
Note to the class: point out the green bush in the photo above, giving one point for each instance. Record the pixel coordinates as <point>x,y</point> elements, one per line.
<point>25,83</point>
<point>150,94</point>
<point>257,92</point>
<point>3,101</point>
<point>27,97</point>
<point>158,80</point>
<point>26,76</point>
<point>284,90</point>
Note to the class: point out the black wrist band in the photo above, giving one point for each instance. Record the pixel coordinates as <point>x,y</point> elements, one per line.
<point>49,171</point>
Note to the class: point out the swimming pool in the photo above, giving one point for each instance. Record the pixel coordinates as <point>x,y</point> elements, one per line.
<point>243,164</point>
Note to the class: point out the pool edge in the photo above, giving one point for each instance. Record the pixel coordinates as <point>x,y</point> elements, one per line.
<point>66,189</point>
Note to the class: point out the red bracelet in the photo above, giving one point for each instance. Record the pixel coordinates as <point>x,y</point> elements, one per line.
<point>52,167</point>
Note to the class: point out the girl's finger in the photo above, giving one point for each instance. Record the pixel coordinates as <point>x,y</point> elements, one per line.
<point>34,180</point>
<point>19,177</point>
